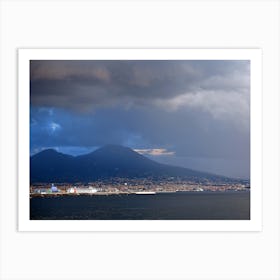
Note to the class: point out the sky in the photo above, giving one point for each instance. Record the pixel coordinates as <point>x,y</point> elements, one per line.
<point>190,113</point>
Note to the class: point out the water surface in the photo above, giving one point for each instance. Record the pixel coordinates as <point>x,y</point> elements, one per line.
<point>164,206</point>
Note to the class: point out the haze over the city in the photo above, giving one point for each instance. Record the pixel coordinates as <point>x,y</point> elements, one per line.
<point>194,114</point>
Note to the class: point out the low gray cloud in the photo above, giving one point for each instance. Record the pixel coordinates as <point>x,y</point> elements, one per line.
<point>86,85</point>
<point>154,152</point>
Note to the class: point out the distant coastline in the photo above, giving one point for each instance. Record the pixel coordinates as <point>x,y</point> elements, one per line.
<point>59,194</point>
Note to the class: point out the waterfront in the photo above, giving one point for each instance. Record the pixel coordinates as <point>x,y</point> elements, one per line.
<point>229,205</point>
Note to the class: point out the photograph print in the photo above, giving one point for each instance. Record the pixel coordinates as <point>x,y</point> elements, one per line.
<point>139,139</point>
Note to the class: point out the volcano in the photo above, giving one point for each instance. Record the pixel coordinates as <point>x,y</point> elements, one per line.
<point>107,162</point>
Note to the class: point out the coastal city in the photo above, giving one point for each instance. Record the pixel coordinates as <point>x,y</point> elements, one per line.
<point>133,186</point>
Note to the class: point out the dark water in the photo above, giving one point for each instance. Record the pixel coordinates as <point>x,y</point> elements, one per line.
<point>172,206</point>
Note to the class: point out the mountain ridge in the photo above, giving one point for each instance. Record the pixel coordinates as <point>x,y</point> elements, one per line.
<point>109,161</point>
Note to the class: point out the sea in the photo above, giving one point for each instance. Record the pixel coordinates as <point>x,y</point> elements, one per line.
<point>229,205</point>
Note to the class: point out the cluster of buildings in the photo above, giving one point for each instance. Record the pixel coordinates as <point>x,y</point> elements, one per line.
<point>134,187</point>
<point>63,190</point>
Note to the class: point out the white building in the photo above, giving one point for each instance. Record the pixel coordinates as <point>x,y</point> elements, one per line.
<point>82,190</point>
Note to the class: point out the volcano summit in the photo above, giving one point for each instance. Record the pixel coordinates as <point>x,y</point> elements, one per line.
<point>110,161</point>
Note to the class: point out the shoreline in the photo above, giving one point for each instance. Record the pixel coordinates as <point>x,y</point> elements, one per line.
<point>131,193</point>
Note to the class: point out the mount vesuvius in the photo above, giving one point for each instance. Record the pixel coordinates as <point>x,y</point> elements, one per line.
<point>110,161</point>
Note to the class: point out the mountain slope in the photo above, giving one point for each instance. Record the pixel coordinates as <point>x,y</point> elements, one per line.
<point>107,162</point>
<point>50,164</point>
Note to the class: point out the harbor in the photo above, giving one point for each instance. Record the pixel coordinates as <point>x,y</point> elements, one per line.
<point>58,190</point>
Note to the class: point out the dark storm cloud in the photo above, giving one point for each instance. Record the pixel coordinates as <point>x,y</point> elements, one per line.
<point>86,85</point>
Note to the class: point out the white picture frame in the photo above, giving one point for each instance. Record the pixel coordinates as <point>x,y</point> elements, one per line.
<point>189,24</point>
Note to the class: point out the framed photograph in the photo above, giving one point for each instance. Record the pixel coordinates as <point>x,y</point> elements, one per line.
<point>140,139</point>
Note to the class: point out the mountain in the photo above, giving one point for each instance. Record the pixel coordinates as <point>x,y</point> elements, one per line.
<point>110,161</point>
<point>50,164</point>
